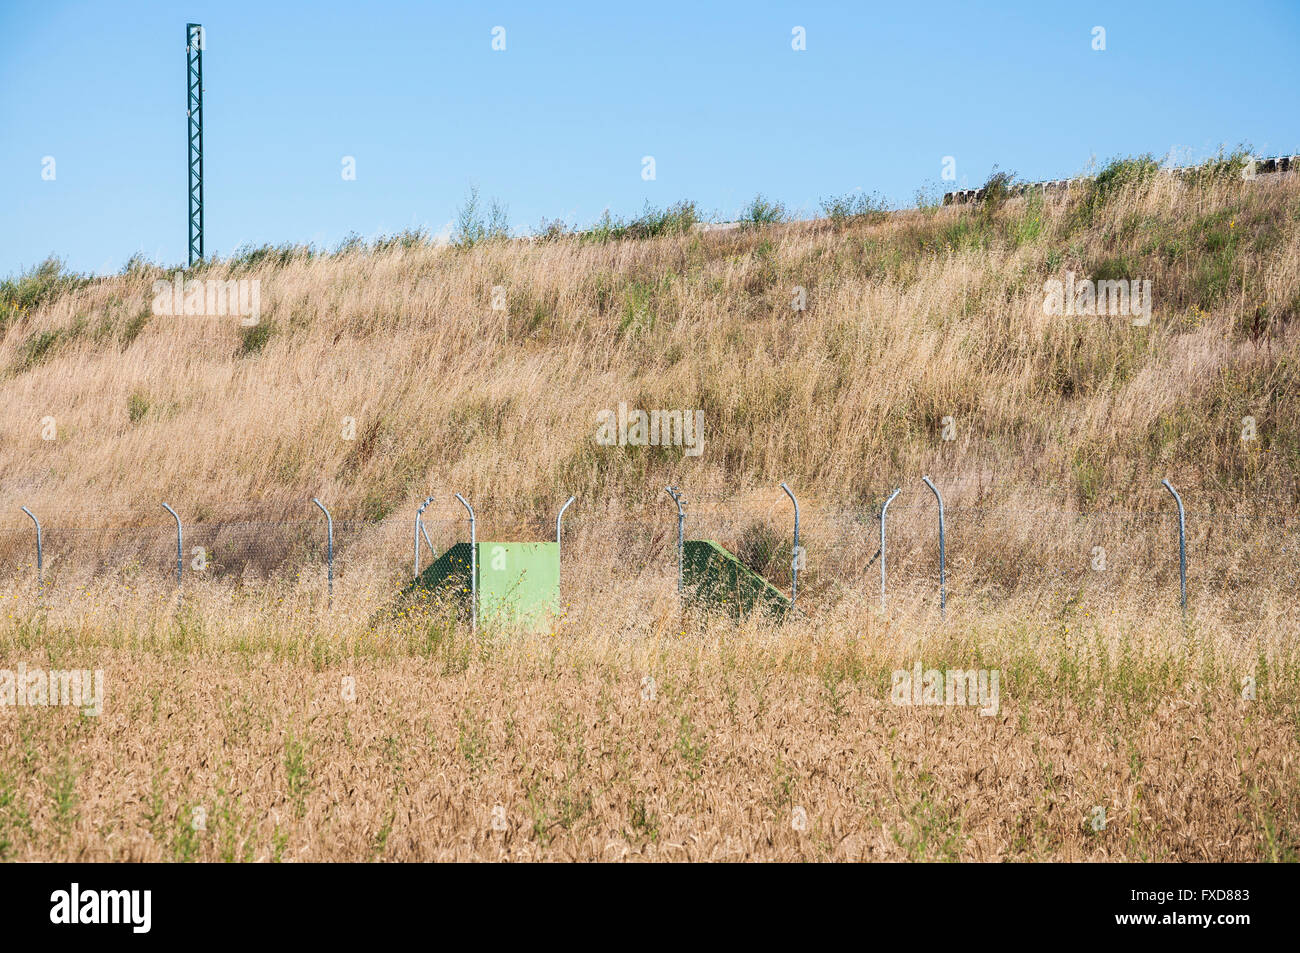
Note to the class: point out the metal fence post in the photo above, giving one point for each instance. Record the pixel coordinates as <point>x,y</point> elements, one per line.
<point>883,510</point>
<point>943,593</point>
<point>416,532</point>
<point>681,521</point>
<point>559,517</point>
<point>40,572</point>
<point>424,531</point>
<point>179,548</point>
<point>1182,546</point>
<point>329,523</point>
<point>794,554</point>
<point>473,566</point>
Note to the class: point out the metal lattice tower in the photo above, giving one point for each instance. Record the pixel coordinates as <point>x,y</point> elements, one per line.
<point>194,111</point>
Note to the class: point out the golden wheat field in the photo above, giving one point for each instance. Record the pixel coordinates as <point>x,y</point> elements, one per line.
<point>253,719</point>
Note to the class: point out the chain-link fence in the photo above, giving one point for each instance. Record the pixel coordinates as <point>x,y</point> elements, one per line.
<point>992,551</point>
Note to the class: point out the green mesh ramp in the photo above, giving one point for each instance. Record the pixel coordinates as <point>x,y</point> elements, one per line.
<point>449,570</point>
<point>717,578</point>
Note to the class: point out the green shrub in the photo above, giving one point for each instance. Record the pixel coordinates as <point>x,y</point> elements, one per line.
<point>134,327</point>
<point>999,187</point>
<point>38,348</point>
<point>137,405</point>
<point>1123,173</point>
<point>138,265</point>
<point>476,225</point>
<point>254,338</point>
<point>248,257</point>
<point>760,211</point>
<point>352,242</point>
<point>674,220</point>
<point>552,230</point>
<point>1222,168</point>
<point>853,206</point>
<point>654,222</point>
<point>405,239</point>
<point>35,287</point>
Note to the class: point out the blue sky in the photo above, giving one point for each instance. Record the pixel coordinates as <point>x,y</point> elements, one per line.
<point>556,125</point>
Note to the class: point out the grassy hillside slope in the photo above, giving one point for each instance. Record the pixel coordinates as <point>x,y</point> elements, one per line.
<point>911,317</point>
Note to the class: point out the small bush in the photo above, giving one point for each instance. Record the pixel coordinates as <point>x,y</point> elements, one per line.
<point>854,206</point>
<point>760,211</point>
<point>999,187</point>
<point>138,265</point>
<point>38,348</point>
<point>35,287</point>
<point>1222,168</point>
<point>406,239</point>
<point>248,257</point>
<point>134,327</point>
<point>474,225</point>
<point>137,405</point>
<point>673,220</point>
<point>654,222</point>
<point>551,231</point>
<point>254,338</point>
<point>352,242</point>
<point>1122,174</point>
<point>607,228</point>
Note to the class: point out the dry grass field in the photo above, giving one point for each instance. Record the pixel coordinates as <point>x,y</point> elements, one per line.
<point>252,721</point>
<point>296,743</point>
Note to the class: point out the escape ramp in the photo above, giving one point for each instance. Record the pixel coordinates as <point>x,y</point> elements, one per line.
<point>513,585</point>
<point>714,577</point>
<point>518,584</point>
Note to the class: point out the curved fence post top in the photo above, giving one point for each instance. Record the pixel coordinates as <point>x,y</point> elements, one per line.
<point>680,500</point>
<point>180,561</point>
<point>329,524</point>
<point>1182,546</point>
<point>473,567</point>
<point>416,530</point>
<point>794,555</point>
<point>40,552</point>
<point>943,588</point>
<point>559,516</point>
<point>883,510</point>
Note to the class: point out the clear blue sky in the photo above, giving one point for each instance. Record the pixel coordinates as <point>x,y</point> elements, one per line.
<point>556,125</point>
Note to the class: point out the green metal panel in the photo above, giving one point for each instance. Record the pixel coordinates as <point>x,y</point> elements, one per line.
<point>716,577</point>
<point>518,584</point>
